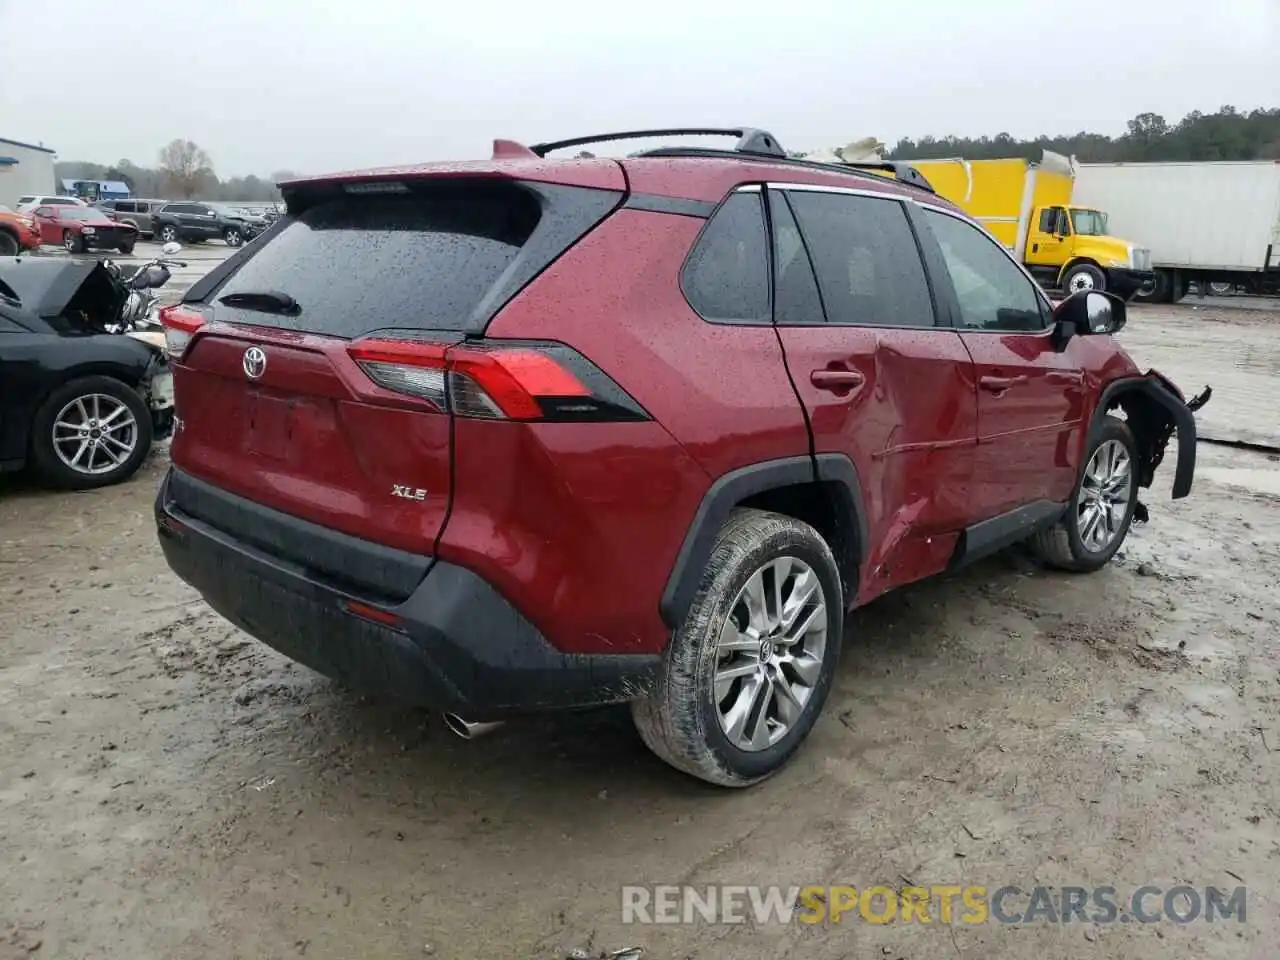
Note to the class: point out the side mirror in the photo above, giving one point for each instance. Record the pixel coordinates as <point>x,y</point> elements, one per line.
<point>171,248</point>
<point>1087,312</point>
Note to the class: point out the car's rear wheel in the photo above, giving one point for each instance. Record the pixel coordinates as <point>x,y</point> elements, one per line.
<point>1101,510</point>
<point>126,248</point>
<point>9,246</point>
<point>169,233</point>
<point>744,678</point>
<point>72,241</point>
<point>90,432</point>
<point>233,237</point>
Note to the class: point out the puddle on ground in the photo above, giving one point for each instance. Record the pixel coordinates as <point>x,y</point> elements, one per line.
<point>1259,479</point>
<point>1261,359</point>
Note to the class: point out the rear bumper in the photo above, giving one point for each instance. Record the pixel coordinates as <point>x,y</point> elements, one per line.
<point>454,644</point>
<point>1124,282</point>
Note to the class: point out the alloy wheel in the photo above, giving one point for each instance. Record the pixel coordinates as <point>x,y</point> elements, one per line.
<point>1104,496</point>
<point>769,656</point>
<point>95,434</point>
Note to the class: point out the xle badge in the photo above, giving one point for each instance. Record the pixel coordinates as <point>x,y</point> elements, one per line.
<point>408,493</point>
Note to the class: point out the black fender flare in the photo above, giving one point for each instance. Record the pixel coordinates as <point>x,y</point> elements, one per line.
<point>833,469</point>
<point>1180,415</point>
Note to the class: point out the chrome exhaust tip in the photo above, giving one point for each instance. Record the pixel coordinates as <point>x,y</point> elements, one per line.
<point>468,730</point>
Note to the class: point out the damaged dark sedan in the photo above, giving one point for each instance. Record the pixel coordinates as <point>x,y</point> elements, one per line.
<point>79,405</point>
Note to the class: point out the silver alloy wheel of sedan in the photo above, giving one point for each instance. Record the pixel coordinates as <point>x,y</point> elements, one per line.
<point>770,652</point>
<point>1104,496</point>
<point>95,434</point>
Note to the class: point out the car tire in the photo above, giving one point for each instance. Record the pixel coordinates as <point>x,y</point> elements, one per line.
<point>169,234</point>
<point>1071,544</point>
<point>73,242</point>
<point>126,248</point>
<point>1083,276</point>
<point>688,718</point>
<point>9,246</point>
<point>56,460</point>
<point>233,237</point>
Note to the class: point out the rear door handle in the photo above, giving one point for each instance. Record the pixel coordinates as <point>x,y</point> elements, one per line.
<point>837,381</point>
<point>998,384</point>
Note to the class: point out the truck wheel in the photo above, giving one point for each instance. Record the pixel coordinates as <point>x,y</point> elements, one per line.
<point>746,675</point>
<point>1098,516</point>
<point>8,244</point>
<point>1083,276</point>
<point>90,432</point>
<point>1158,291</point>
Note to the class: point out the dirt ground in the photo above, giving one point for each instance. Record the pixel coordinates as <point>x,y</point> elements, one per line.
<point>172,789</point>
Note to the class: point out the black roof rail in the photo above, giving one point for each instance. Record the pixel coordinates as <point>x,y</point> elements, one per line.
<point>750,140</point>
<point>904,173</point>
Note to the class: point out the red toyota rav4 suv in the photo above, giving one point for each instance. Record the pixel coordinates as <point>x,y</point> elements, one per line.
<point>532,433</point>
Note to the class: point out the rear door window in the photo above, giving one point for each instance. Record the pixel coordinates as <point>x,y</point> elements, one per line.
<point>356,264</point>
<point>866,259</point>
<point>726,277</point>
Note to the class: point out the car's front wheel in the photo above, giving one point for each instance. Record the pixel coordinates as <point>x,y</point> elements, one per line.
<point>91,432</point>
<point>9,246</point>
<point>1101,510</point>
<point>744,678</point>
<point>233,237</point>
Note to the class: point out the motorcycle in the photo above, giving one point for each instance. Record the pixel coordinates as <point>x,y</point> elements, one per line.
<point>138,318</point>
<point>141,305</point>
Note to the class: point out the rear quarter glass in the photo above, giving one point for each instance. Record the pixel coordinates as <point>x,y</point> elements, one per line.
<point>442,256</point>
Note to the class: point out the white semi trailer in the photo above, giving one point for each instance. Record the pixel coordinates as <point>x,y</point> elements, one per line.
<point>1205,223</point>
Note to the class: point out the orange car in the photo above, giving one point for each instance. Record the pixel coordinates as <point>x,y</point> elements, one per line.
<point>18,232</point>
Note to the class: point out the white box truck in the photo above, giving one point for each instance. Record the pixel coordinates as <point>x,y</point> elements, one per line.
<point>1205,223</point>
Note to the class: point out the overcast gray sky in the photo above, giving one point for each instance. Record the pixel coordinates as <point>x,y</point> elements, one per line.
<point>318,85</point>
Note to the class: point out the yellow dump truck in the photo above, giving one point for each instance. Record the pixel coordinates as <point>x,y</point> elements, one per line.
<point>1027,207</point>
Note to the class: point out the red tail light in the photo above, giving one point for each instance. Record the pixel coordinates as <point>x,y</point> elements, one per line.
<point>498,381</point>
<point>180,324</point>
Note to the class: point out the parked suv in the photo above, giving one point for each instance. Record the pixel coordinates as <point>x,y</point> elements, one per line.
<point>184,221</point>
<point>534,433</point>
<point>136,213</point>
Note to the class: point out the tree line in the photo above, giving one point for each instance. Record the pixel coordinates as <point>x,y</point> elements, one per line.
<point>1227,134</point>
<point>183,171</point>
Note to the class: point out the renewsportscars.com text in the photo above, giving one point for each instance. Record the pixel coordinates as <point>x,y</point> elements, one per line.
<point>968,904</point>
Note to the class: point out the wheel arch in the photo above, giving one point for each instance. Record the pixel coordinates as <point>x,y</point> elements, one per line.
<point>131,375</point>
<point>823,491</point>
<point>1076,262</point>
<point>1154,413</point>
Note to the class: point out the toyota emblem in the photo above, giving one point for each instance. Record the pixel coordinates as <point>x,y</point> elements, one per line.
<point>254,363</point>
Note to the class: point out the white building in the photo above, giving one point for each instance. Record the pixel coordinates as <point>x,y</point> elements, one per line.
<point>24,169</point>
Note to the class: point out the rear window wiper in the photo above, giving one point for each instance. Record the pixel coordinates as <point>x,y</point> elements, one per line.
<point>264,301</point>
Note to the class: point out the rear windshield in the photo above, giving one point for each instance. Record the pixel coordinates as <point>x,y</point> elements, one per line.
<point>362,263</point>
